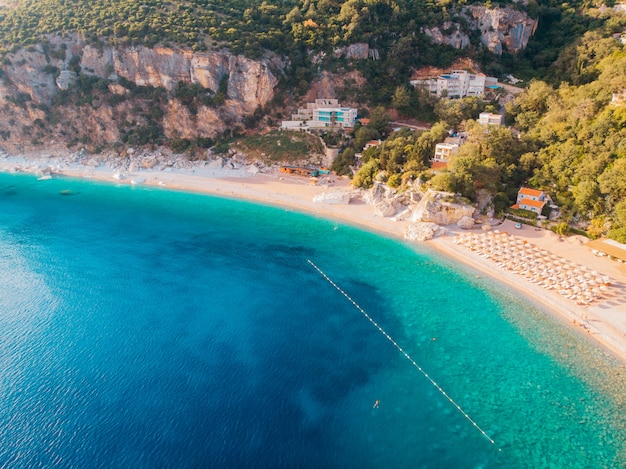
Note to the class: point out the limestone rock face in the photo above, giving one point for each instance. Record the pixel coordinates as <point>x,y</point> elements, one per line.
<point>32,77</point>
<point>354,51</point>
<point>379,193</point>
<point>454,37</point>
<point>250,82</point>
<point>149,162</point>
<point>440,208</point>
<point>466,223</point>
<point>66,79</point>
<point>501,27</point>
<point>422,231</point>
<point>340,197</point>
<point>385,208</point>
<point>28,76</point>
<point>435,207</point>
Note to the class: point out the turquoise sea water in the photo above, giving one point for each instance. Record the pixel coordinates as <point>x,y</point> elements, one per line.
<point>145,328</point>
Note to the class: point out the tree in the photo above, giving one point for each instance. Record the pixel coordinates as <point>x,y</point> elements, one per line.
<point>620,213</point>
<point>562,229</point>
<point>365,176</point>
<point>455,111</point>
<point>341,165</point>
<point>618,234</point>
<point>379,121</point>
<point>363,135</point>
<point>444,181</point>
<point>402,100</point>
<point>586,194</point>
<point>528,107</point>
<point>613,180</point>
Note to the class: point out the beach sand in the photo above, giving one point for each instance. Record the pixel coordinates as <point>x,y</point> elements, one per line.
<point>603,321</point>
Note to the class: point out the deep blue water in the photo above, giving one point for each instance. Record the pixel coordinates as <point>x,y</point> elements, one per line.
<point>145,328</point>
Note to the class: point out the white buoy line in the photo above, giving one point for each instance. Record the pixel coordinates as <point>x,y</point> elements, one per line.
<point>401,350</point>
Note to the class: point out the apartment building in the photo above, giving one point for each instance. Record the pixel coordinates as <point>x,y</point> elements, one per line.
<point>457,84</point>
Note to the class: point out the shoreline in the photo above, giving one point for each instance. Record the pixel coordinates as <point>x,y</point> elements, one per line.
<point>604,322</point>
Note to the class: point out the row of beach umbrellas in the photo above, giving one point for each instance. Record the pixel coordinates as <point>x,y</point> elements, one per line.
<point>538,266</point>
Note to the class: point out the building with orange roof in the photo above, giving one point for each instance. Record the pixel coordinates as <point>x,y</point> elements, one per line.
<point>532,200</point>
<point>372,143</point>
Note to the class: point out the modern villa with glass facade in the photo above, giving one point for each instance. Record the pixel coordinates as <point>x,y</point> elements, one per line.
<point>323,113</point>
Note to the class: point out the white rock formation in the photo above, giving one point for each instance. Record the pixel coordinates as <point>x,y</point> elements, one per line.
<point>422,231</point>
<point>149,162</point>
<point>435,207</point>
<point>466,223</point>
<point>339,197</point>
<point>216,164</point>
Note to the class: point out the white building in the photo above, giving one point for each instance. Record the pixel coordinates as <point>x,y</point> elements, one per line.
<point>321,114</point>
<point>444,151</point>
<point>487,118</point>
<point>372,143</point>
<point>457,84</point>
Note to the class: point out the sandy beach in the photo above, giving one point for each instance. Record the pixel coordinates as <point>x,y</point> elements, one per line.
<point>602,320</point>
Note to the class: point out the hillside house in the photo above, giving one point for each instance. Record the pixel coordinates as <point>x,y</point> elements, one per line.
<point>444,151</point>
<point>456,84</point>
<point>532,200</point>
<point>323,113</point>
<point>372,143</point>
<point>488,118</point>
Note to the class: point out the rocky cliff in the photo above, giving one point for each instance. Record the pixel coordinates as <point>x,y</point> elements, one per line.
<point>32,81</point>
<point>428,212</point>
<point>500,29</point>
<point>441,208</point>
<point>250,82</point>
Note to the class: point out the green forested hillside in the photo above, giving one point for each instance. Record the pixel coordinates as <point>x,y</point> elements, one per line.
<point>566,137</point>
<point>293,28</point>
<point>569,140</point>
<point>300,28</point>
<point>242,25</point>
